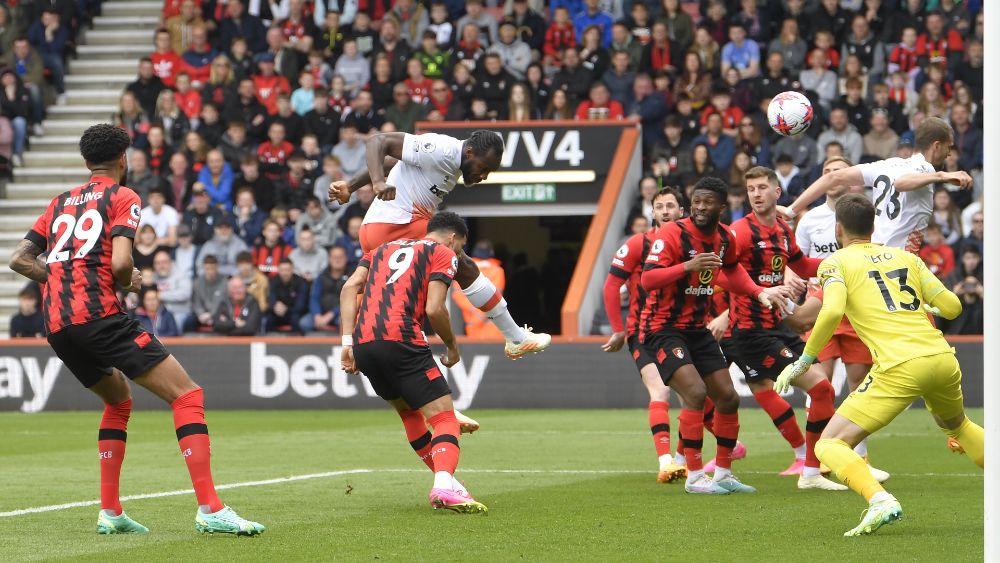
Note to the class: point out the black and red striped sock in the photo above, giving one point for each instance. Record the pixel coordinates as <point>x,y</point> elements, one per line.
<point>727,431</point>
<point>782,415</point>
<point>192,435</point>
<point>821,410</point>
<point>659,425</point>
<point>444,444</point>
<point>692,427</point>
<point>418,435</point>
<point>111,447</point>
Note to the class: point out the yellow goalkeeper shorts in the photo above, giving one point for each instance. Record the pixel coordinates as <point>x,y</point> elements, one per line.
<point>884,394</point>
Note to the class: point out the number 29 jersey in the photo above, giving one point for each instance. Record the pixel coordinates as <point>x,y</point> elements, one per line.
<point>427,172</point>
<point>886,288</point>
<point>76,231</point>
<point>897,214</point>
<point>394,303</point>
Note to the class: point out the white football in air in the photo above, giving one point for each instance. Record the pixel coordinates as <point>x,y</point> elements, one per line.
<point>790,113</point>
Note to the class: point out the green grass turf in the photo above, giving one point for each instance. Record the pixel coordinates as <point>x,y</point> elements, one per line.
<point>517,465</point>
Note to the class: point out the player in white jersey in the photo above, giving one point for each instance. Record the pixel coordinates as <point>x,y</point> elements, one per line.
<point>422,170</point>
<point>901,188</point>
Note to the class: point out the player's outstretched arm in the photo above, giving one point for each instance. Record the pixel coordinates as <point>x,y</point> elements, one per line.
<point>917,180</point>
<point>26,262</point>
<point>437,314</point>
<point>850,176</point>
<point>348,314</point>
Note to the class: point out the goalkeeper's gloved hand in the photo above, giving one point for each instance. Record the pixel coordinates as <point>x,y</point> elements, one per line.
<point>932,309</point>
<point>793,371</point>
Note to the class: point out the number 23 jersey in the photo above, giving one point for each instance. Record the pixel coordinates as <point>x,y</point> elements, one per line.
<point>76,231</point>
<point>427,172</point>
<point>394,302</point>
<point>886,290</point>
<point>897,214</point>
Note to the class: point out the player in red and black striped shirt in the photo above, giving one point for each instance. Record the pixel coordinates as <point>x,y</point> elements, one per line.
<point>403,282</point>
<point>86,234</point>
<point>626,270</point>
<point>685,259</point>
<point>764,346</point>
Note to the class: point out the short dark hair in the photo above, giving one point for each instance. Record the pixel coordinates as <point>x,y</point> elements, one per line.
<point>856,214</point>
<point>313,200</point>
<point>285,260</point>
<point>931,130</point>
<point>210,259</point>
<point>670,190</point>
<point>244,257</point>
<point>448,221</point>
<point>103,143</point>
<point>714,185</point>
<point>486,143</point>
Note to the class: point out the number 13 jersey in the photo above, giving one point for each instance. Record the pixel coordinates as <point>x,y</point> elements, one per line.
<point>897,214</point>
<point>427,172</point>
<point>886,288</point>
<point>394,302</point>
<point>76,231</point>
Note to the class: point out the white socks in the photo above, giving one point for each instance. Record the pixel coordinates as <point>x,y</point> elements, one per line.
<point>443,480</point>
<point>880,496</point>
<point>721,473</point>
<point>680,459</point>
<point>665,460</point>
<point>457,485</point>
<point>862,448</point>
<point>481,293</point>
<point>800,452</point>
<point>810,471</point>
<point>695,475</point>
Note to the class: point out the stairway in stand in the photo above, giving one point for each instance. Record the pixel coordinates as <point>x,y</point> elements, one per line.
<point>107,59</point>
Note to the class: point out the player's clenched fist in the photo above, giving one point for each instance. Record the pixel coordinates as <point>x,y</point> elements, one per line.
<point>703,261</point>
<point>451,356</point>
<point>384,191</point>
<point>960,179</point>
<point>347,360</point>
<point>339,191</point>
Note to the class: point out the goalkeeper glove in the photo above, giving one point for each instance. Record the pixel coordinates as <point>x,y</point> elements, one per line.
<point>793,371</point>
<point>932,309</point>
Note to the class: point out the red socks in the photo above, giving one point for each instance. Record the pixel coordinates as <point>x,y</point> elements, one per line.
<point>192,435</point>
<point>111,448</point>
<point>418,435</point>
<point>782,416</point>
<point>821,410</point>
<point>709,417</point>
<point>659,425</point>
<point>727,430</point>
<point>692,428</point>
<point>444,444</point>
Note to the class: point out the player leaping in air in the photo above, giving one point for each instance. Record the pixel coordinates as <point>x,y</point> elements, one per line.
<point>684,262</point>
<point>87,233</point>
<point>886,293</point>
<point>626,269</point>
<point>765,246</point>
<point>403,282</point>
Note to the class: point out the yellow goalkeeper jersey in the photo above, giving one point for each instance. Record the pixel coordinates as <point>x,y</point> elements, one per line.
<point>886,290</point>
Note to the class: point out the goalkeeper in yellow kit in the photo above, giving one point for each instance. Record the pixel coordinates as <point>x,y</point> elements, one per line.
<point>886,293</point>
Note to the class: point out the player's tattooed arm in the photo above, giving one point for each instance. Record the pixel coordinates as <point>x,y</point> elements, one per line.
<point>26,262</point>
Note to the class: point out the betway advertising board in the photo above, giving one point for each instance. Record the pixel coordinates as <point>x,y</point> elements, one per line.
<point>286,374</point>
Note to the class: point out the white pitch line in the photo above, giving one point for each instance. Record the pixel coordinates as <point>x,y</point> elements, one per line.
<point>327,474</point>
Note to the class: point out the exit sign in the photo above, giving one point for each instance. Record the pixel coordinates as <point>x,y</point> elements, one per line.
<point>528,193</point>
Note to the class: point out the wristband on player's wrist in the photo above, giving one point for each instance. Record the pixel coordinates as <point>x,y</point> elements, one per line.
<point>347,340</point>
<point>807,358</point>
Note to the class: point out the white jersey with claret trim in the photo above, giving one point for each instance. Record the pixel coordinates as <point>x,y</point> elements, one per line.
<point>428,171</point>
<point>897,214</point>
<point>816,232</point>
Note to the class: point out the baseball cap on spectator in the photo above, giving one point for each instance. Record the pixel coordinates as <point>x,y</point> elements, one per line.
<point>226,221</point>
<point>265,57</point>
<point>905,141</point>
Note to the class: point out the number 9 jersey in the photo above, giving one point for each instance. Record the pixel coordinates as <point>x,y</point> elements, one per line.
<point>897,214</point>
<point>76,231</point>
<point>886,290</point>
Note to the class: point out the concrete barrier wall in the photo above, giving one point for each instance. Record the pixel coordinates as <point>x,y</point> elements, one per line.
<point>305,374</point>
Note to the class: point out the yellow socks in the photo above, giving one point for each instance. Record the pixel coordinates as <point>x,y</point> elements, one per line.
<point>848,466</point>
<point>971,436</point>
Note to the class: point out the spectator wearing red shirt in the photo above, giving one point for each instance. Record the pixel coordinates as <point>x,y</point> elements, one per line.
<point>268,84</point>
<point>824,40</point>
<point>939,45</point>
<point>274,152</point>
<point>660,54</point>
<point>599,106</point>
<point>722,104</point>
<point>938,256</point>
<point>166,63</point>
<point>188,99</point>
<point>417,85</point>
<point>903,57</point>
<point>559,35</point>
<point>172,8</point>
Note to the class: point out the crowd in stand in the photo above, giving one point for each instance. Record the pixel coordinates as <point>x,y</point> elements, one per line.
<point>246,110</point>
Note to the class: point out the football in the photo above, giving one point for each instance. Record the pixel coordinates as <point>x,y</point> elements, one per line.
<point>789,113</point>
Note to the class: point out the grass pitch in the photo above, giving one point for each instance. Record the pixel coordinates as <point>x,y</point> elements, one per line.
<point>561,485</point>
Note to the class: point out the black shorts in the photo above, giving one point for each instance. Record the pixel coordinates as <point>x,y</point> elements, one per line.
<point>639,354</point>
<point>674,348</point>
<point>91,350</point>
<point>763,353</point>
<point>729,348</point>
<point>400,370</point>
